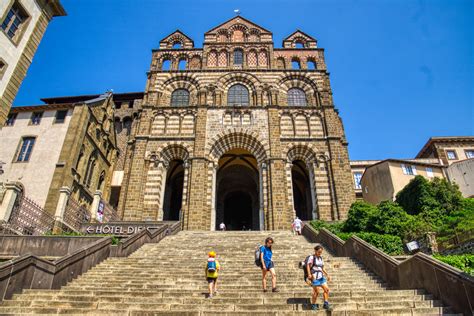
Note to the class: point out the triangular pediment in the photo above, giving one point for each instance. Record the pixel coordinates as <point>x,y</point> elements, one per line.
<point>177,37</point>
<point>300,37</point>
<point>238,20</point>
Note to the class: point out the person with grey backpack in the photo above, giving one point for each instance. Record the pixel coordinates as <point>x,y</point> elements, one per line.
<point>317,275</point>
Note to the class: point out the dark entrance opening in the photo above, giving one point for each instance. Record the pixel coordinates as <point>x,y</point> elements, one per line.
<point>237,195</point>
<point>173,191</point>
<point>238,210</point>
<point>301,190</point>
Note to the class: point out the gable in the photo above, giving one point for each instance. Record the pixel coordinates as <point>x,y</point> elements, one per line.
<point>299,37</point>
<point>238,29</point>
<point>238,20</point>
<point>176,37</point>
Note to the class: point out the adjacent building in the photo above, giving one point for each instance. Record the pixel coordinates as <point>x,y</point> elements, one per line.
<point>448,150</point>
<point>383,180</point>
<point>22,26</point>
<point>60,145</point>
<point>444,157</point>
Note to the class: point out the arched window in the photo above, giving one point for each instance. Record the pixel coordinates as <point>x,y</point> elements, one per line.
<point>127,124</point>
<point>177,45</point>
<point>299,45</point>
<point>101,180</point>
<point>296,97</point>
<point>180,97</point>
<point>238,95</point>
<point>90,169</point>
<point>166,64</point>
<point>182,64</point>
<point>238,57</point>
<point>295,64</point>
<point>118,125</point>
<point>311,64</point>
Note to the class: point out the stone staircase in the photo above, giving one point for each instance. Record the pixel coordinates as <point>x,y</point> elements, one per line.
<point>168,278</point>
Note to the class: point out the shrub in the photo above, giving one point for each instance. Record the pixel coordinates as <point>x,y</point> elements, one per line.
<point>462,262</point>
<point>359,216</point>
<point>390,219</point>
<point>422,195</point>
<point>335,227</point>
<point>389,244</point>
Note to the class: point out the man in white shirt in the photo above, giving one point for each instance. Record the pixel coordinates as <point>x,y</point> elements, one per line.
<point>297,225</point>
<point>222,226</point>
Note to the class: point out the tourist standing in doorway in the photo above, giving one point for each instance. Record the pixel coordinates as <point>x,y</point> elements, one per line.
<point>212,269</point>
<point>267,264</point>
<point>222,226</point>
<point>319,278</point>
<point>297,225</point>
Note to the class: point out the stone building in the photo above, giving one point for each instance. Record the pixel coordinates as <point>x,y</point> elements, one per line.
<point>22,25</point>
<point>448,149</point>
<point>237,131</point>
<point>65,143</point>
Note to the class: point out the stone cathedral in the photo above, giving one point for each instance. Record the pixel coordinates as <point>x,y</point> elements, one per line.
<point>237,131</point>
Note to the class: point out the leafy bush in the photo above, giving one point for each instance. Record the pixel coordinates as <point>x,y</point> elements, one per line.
<point>359,216</point>
<point>335,227</point>
<point>462,262</point>
<point>422,195</point>
<point>390,219</point>
<point>389,244</point>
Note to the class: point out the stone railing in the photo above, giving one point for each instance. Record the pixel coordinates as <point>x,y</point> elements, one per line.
<point>32,272</point>
<point>454,287</point>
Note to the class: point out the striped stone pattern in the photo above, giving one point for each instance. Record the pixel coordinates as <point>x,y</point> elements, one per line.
<point>154,180</point>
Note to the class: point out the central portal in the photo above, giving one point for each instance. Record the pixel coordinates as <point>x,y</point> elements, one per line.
<point>237,198</point>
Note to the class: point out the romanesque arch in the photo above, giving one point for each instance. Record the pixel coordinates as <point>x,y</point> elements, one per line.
<point>238,138</point>
<point>298,81</point>
<point>250,81</point>
<point>179,81</point>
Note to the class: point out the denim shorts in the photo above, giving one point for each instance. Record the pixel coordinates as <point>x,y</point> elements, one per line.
<point>269,265</point>
<point>319,282</point>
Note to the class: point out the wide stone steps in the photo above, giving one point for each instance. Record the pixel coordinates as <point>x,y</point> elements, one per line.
<point>168,279</point>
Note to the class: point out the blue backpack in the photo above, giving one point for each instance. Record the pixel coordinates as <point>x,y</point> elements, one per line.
<point>211,266</point>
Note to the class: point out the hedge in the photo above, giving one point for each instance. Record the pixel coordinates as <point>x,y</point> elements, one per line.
<point>462,262</point>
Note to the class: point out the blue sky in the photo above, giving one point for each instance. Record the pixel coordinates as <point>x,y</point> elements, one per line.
<point>401,71</point>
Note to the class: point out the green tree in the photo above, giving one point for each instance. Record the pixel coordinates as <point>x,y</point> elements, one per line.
<point>421,195</point>
<point>358,217</point>
<point>416,196</point>
<point>390,219</point>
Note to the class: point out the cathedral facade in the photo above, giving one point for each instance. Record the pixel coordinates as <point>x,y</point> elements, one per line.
<point>237,131</point>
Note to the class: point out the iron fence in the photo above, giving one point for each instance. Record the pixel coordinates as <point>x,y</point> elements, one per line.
<point>75,214</point>
<point>28,218</point>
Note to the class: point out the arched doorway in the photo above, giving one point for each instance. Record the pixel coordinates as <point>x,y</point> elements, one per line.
<point>173,191</point>
<point>302,198</point>
<point>237,191</point>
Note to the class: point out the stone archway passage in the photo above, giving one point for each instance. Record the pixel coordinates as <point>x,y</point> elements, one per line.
<point>301,190</point>
<point>237,192</point>
<point>173,191</point>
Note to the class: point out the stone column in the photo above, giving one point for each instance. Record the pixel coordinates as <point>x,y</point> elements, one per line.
<point>213,170</point>
<point>312,183</point>
<point>289,181</point>
<point>262,194</point>
<point>185,190</point>
<point>95,206</point>
<point>64,194</point>
<point>12,192</point>
<point>163,171</point>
